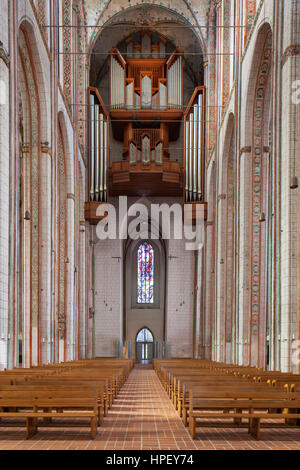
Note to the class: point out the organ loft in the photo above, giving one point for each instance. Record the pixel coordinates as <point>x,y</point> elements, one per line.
<point>158,126</point>
<point>118,330</point>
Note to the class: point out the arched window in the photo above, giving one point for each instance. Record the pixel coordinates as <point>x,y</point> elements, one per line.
<point>145,274</point>
<point>144,336</point>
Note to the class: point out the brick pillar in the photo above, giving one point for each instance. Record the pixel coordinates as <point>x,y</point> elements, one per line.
<point>4,208</point>
<point>69,280</point>
<point>82,293</point>
<point>289,197</point>
<point>45,267</point>
<point>244,258</point>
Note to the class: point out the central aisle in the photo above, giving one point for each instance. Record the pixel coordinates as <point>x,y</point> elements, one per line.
<point>142,417</point>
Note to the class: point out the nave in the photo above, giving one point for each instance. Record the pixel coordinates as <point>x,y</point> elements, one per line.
<point>142,417</point>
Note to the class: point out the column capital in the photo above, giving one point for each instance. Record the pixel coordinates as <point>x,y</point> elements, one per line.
<point>45,148</point>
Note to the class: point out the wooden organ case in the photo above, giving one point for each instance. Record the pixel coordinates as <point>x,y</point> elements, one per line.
<point>146,113</point>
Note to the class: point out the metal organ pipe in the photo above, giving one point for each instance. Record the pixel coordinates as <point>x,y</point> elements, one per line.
<point>195,152</point>
<point>121,87</point>
<point>191,154</point>
<point>116,85</point>
<point>187,136</point>
<point>92,151</point>
<point>200,109</point>
<point>175,84</point>
<point>180,82</point>
<point>105,132</point>
<point>97,145</point>
<point>173,87</point>
<point>98,152</point>
<point>112,82</point>
<point>101,156</point>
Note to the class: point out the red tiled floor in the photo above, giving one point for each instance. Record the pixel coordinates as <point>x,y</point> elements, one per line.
<point>142,417</point>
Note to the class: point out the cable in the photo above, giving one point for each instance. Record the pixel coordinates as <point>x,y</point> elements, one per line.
<point>135,25</point>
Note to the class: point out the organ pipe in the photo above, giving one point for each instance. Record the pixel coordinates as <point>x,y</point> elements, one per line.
<point>105,132</point>
<point>117,84</point>
<point>97,151</point>
<point>101,159</point>
<point>92,137</point>
<point>191,154</point>
<point>187,136</point>
<point>175,84</point>
<point>195,153</point>
<point>200,108</point>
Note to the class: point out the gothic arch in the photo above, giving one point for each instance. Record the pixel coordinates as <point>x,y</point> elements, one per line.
<point>41,76</point>
<point>259,98</point>
<point>247,115</point>
<point>182,9</point>
<point>35,194</point>
<point>33,290</point>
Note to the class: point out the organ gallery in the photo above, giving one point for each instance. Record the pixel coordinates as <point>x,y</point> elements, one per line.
<point>150,214</point>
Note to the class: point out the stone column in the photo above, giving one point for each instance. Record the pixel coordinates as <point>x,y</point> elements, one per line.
<point>220,280</point>
<point>290,64</point>
<point>45,254</point>
<point>69,279</point>
<point>209,289</point>
<point>82,292</point>
<point>4,204</point>
<point>244,257</point>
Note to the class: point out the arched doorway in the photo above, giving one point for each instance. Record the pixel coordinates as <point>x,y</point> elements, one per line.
<point>144,345</point>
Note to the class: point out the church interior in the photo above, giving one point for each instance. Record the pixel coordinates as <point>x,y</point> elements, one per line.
<point>127,127</point>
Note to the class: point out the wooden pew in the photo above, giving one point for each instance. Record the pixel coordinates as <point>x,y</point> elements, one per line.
<point>253,406</point>
<point>32,405</point>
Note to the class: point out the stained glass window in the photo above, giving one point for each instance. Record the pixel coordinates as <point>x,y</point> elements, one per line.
<point>145,274</point>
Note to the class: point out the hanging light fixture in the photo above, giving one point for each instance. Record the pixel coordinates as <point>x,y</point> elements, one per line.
<point>27,215</point>
<point>262,217</point>
<point>294,183</point>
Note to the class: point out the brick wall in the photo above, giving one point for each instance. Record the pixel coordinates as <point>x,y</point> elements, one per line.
<point>107,297</point>
<point>180,299</point>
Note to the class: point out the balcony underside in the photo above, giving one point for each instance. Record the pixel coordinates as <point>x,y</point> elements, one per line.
<point>141,180</point>
<point>121,117</point>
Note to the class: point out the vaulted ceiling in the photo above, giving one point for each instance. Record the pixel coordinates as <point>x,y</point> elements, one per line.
<point>117,21</point>
<point>98,12</point>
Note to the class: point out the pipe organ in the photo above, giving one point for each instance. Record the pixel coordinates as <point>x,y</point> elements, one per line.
<point>98,140</point>
<point>194,126</point>
<point>145,103</point>
<point>146,79</point>
<point>145,146</point>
